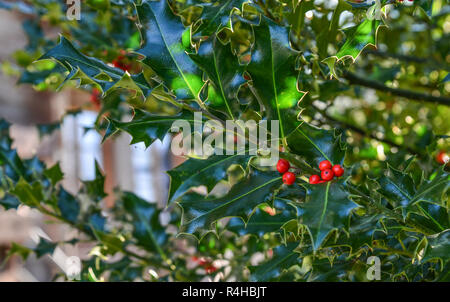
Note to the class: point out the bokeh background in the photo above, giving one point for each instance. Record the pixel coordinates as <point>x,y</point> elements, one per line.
<point>133,168</point>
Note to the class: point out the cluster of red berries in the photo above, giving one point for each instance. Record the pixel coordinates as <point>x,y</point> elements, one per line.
<point>283,167</point>
<point>327,172</point>
<point>206,264</point>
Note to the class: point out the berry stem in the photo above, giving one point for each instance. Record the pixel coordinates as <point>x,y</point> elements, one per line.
<point>299,163</point>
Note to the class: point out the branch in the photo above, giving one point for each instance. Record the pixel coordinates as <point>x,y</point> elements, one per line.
<point>81,229</point>
<point>356,80</point>
<point>367,133</point>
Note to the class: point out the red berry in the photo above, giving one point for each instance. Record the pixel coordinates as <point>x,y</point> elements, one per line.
<point>203,262</point>
<point>324,165</point>
<point>210,269</point>
<point>327,174</point>
<point>283,165</point>
<point>314,179</point>
<point>338,170</point>
<point>442,158</point>
<point>321,181</point>
<point>289,178</point>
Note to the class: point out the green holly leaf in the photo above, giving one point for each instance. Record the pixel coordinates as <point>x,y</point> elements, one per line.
<point>28,194</point>
<point>163,50</point>
<point>199,213</point>
<point>146,127</point>
<point>284,257</point>
<point>327,208</point>
<point>44,247</point>
<point>147,229</point>
<point>9,201</point>
<point>216,16</point>
<point>361,232</point>
<point>90,70</point>
<point>207,172</point>
<point>316,144</point>
<point>357,38</point>
<point>11,164</point>
<point>400,189</point>
<point>274,75</point>
<point>438,247</point>
<point>54,174</point>
<point>224,72</point>
<point>95,188</point>
<point>261,222</point>
<point>68,205</point>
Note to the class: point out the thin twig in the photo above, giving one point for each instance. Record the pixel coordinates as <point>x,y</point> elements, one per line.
<point>366,133</point>
<point>412,95</point>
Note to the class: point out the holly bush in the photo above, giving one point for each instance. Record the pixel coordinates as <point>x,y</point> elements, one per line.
<point>361,84</point>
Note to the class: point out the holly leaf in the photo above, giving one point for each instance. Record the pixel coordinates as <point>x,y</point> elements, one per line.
<point>90,70</point>
<point>95,188</point>
<point>438,247</point>
<point>68,205</point>
<point>283,258</point>
<point>207,172</point>
<point>357,38</point>
<point>361,232</point>
<point>163,50</point>
<point>224,72</point>
<point>146,127</point>
<point>199,213</point>
<point>9,202</point>
<point>261,222</point>
<point>44,247</point>
<point>54,174</point>
<point>316,144</point>
<point>326,208</point>
<point>147,229</point>
<point>28,194</point>
<point>216,16</point>
<point>399,188</point>
<point>274,75</point>
<point>11,164</point>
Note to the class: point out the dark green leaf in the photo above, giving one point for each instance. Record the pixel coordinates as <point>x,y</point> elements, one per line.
<point>274,75</point>
<point>91,70</point>
<point>216,15</point>
<point>148,231</point>
<point>163,50</point>
<point>327,208</point>
<point>68,205</point>
<point>54,174</point>
<point>261,222</point>
<point>146,127</point>
<point>199,213</point>
<point>207,172</point>
<point>316,145</point>
<point>284,257</point>
<point>438,247</point>
<point>95,188</point>
<point>225,73</point>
